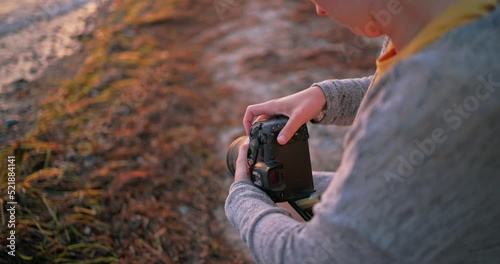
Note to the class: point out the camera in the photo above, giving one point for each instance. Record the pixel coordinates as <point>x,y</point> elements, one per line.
<point>282,171</point>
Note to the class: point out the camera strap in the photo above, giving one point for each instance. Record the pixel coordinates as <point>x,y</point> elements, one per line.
<point>253,153</point>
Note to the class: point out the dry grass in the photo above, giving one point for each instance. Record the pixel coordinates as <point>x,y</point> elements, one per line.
<point>121,167</point>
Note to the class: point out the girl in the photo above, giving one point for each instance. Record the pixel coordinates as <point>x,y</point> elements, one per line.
<point>418,181</point>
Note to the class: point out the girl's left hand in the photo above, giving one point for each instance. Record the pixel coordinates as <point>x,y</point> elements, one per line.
<point>241,172</point>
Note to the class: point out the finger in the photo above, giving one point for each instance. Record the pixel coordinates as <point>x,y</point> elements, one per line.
<point>293,124</point>
<point>261,118</point>
<point>253,111</point>
<point>248,119</point>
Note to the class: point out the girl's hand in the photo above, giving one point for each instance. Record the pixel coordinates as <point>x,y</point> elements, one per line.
<point>299,107</point>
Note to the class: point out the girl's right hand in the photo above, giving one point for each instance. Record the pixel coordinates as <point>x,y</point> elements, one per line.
<point>299,107</point>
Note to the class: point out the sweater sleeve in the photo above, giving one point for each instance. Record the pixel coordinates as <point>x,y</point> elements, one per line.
<point>274,237</point>
<point>343,98</point>
<point>321,180</point>
<point>419,173</point>
<point>417,181</point>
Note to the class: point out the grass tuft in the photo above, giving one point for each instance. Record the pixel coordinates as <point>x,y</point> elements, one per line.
<point>118,166</point>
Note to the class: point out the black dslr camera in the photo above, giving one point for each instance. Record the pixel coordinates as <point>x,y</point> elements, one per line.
<point>282,171</point>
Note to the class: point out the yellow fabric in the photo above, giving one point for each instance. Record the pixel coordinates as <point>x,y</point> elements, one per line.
<point>458,14</point>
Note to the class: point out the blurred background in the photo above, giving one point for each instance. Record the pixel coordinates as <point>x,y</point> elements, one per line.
<point>120,113</point>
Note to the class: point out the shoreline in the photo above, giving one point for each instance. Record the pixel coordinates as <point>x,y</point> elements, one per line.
<point>26,58</point>
<point>26,53</point>
<point>32,13</point>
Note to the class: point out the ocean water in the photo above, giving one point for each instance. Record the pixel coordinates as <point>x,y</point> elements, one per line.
<point>18,14</point>
<point>34,34</point>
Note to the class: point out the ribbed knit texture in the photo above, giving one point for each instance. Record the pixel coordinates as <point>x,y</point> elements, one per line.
<point>419,180</point>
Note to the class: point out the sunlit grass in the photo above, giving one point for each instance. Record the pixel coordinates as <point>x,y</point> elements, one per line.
<point>118,148</point>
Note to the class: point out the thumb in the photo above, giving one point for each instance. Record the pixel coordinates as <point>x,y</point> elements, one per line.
<point>241,163</point>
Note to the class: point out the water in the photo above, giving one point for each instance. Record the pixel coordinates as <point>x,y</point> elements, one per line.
<point>18,14</point>
<point>35,34</point>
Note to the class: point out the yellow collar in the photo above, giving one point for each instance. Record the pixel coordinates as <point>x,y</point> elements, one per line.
<point>460,13</point>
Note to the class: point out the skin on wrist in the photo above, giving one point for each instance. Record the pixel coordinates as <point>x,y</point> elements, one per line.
<point>319,95</point>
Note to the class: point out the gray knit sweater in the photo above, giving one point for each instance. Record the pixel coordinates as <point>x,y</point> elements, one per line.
<point>419,180</point>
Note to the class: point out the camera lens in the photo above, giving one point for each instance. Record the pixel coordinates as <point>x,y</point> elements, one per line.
<point>232,154</point>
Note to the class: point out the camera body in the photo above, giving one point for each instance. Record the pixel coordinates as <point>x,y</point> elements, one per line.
<point>282,171</point>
